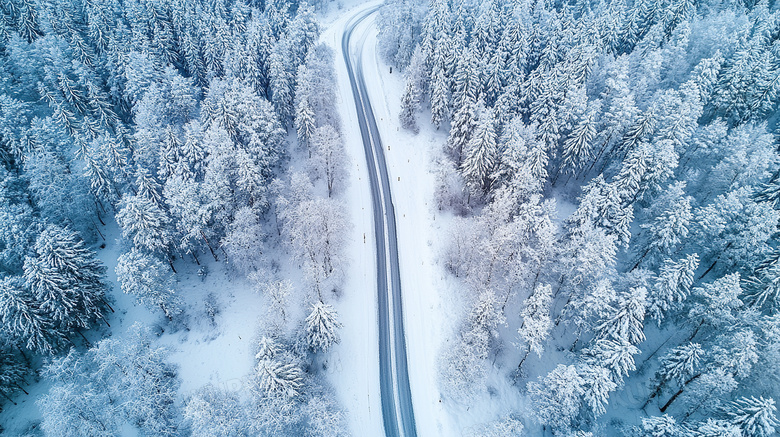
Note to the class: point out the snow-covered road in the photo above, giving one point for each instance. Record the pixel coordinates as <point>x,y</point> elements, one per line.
<point>410,176</point>
<point>396,398</point>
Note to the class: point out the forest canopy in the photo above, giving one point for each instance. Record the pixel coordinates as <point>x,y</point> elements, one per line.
<point>614,166</point>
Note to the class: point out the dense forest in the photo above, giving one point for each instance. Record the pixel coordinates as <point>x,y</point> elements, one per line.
<point>169,118</point>
<point>613,166</point>
<point>609,181</point>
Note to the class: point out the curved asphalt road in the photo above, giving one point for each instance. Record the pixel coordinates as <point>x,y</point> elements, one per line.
<point>397,410</point>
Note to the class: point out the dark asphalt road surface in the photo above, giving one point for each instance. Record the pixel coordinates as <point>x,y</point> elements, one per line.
<point>396,397</point>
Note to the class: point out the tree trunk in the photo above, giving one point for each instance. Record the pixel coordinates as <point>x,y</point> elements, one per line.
<point>695,331</point>
<point>667,404</point>
<point>7,397</point>
<point>716,261</point>
<point>555,177</point>
<point>647,359</point>
<point>165,311</point>
<point>97,212</point>
<point>26,359</point>
<point>536,278</point>
<point>102,208</point>
<point>98,230</point>
<point>655,393</point>
<point>560,285</point>
<point>568,178</point>
<point>596,159</point>
<point>22,389</point>
<point>527,351</point>
<point>106,304</point>
<point>276,220</point>
<point>709,269</point>
<point>209,245</point>
<point>89,345</point>
<point>576,340</point>
<point>558,319</point>
<point>640,259</point>
<point>679,392</point>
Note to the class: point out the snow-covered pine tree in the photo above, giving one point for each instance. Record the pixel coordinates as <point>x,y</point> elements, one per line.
<point>733,231</point>
<point>588,255</point>
<point>481,153</point>
<point>625,321</point>
<point>664,425</point>
<point>493,76</point>
<point>672,285</point>
<point>304,119</point>
<point>14,117</point>
<point>597,383</point>
<point>763,288</point>
<point>12,373</point>
<point>754,416</point>
<point>716,304</point>
<point>18,230</point>
<point>410,104</point>
<point>537,322</point>
<point>150,280</point>
<point>144,223</point>
<point>439,96</point>
<point>670,226</point>
<point>281,81</point>
<point>680,364</point>
<point>24,323</point>
<point>277,379</point>
<point>466,82</point>
<point>322,327</point>
<point>638,133</point>
<point>557,397</point>
<point>577,146</point>
<point>267,348</point>
<point>616,355</point>
<point>461,130</point>
<point>66,279</point>
<point>717,428</point>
